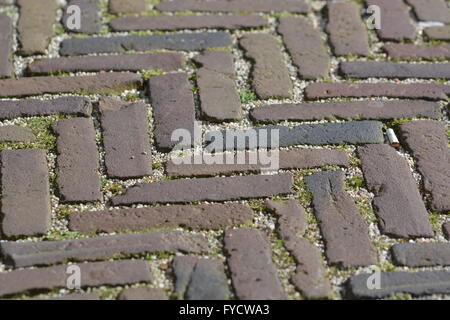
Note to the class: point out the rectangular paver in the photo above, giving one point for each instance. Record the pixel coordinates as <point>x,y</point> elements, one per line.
<point>409,50</point>
<point>6,34</point>
<point>90,21</point>
<point>431,10</point>
<point>421,254</point>
<point>12,133</point>
<point>438,32</point>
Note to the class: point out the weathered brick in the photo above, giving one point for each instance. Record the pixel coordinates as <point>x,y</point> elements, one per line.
<point>33,107</point>
<point>431,10</point>
<point>166,61</point>
<point>173,108</point>
<point>126,6</point>
<point>90,17</point>
<point>13,133</point>
<point>446,230</point>
<point>415,283</point>
<point>35,26</point>
<point>94,274</point>
<point>347,31</point>
<point>291,218</point>
<point>396,22</point>
<point>421,254</point>
<point>213,216</point>
<point>200,279</point>
<point>366,90</point>
<point>438,33</point>
<point>102,83</point>
<point>345,233</point>
<point>253,273</point>
<point>48,252</point>
<point>410,50</point>
<point>125,138</point>
<point>6,34</point>
<point>70,296</point>
<point>346,110</point>
<point>428,143</point>
<point>143,294</point>
<point>120,44</point>
<point>375,69</point>
<point>297,6</point>
<point>270,74</point>
<point>219,99</point>
<point>397,203</point>
<point>78,175</point>
<point>207,189</point>
<point>306,47</point>
<point>130,23</point>
<point>25,203</point>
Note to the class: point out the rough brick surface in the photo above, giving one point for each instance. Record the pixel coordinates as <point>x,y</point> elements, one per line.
<point>6,33</point>
<point>409,50</point>
<point>438,33</point>
<point>143,294</point>
<point>16,134</point>
<point>446,230</point>
<point>126,6</point>
<point>421,254</point>
<point>291,218</point>
<point>90,18</point>
<point>431,10</point>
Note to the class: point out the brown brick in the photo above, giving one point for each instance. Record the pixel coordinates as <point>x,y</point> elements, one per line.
<point>6,34</point>
<point>410,50</point>
<point>13,133</point>
<point>438,33</point>
<point>421,254</point>
<point>143,294</point>
<point>446,230</point>
<point>126,6</point>
<point>291,218</point>
<point>90,15</point>
<point>431,10</point>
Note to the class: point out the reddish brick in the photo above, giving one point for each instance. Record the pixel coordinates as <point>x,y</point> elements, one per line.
<point>446,230</point>
<point>438,33</point>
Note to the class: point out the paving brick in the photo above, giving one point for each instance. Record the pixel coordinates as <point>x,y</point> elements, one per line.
<point>173,108</point>
<point>253,273</point>
<point>437,33</point>
<point>71,296</point>
<point>216,78</point>
<point>34,107</point>
<point>13,133</point>
<point>120,44</point>
<point>345,233</point>
<point>291,218</point>
<point>446,230</point>
<point>428,143</point>
<point>415,283</point>
<point>35,25</point>
<point>297,6</point>
<point>90,17</point>
<point>410,50</point>
<point>166,61</point>
<point>347,31</point>
<point>102,83</point>
<point>143,294</point>
<point>307,49</point>
<point>397,203</point>
<point>200,279</point>
<point>78,175</point>
<point>130,23</point>
<point>270,74</point>
<point>126,6</point>
<point>48,252</point>
<point>6,34</point>
<point>431,10</point>
<point>346,110</point>
<point>288,159</point>
<point>421,254</point>
<point>207,189</point>
<point>396,22</point>
<point>125,138</point>
<point>113,273</point>
<point>366,90</point>
<point>213,216</point>
<point>25,203</point>
<point>375,69</point>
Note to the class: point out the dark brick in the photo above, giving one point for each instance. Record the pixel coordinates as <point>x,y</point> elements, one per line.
<point>6,34</point>
<point>253,273</point>
<point>446,230</point>
<point>345,233</point>
<point>375,69</point>
<point>396,23</point>
<point>428,143</point>
<point>102,83</point>
<point>200,279</point>
<point>143,294</point>
<point>48,252</point>
<point>214,216</point>
<point>173,108</point>
<point>307,49</point>
<point>113,273</point>
<point>397,203</point>
<point>431,10</point>
<point>346,110</point>
<point>120,44</point>
<point>33,107</point>
<point>126,6</point>
<point>415,283</point>
<point>78,175</point>
<point>131,23</point>
<point>366,90</point>
<point>125,138</point>
<point>421,254</point>
<point>347,31</point>
<point>291,218</point>
<point>410,50</point>
<point>438,33</point>
<point>35,25</point>
<point>297,6</point>
<point>25,203</point>
<point>270,74</point>
<point>216,79</point>
<point>166,61</point>
<point>90,17</point>
<point>16,134</point>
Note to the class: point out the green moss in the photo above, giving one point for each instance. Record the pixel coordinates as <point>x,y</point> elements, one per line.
<point>59,235</point>
<point>157,166</point>
<point>58,29</point>
<point>247,96</point>
<point>147,74</point>
<point>355,183</point>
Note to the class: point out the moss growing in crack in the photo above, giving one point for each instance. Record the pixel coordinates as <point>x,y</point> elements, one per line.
<point>114,188</point>
<point>147,74</point>
<point>59,235</point>
<point>157,165</point>
<point>247,96</point>
<point>436,221</point>
<point>354,161</point>
<point>354,183</point>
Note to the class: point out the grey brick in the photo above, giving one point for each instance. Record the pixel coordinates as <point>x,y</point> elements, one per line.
<point>90,16</point>
<point>127,6</point>
<point>437,33</point>
<point>13,133</point>
<point>410,50</point>
<point>421,254</point>
<point>143,294</point>
<point>431,10</point>
<point>6,34</point>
